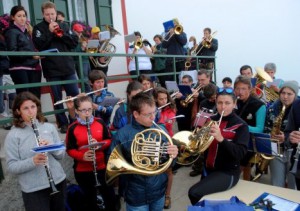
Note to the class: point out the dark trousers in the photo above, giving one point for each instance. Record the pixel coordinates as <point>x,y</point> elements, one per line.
<point>42,200</point>
<point>86,181</point>
<point>215,182</point>
<point>71,90</point>
<point>27,77</point>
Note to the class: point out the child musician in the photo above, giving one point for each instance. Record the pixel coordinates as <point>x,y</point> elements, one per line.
<point>84,169</point>
<point>167,113</point>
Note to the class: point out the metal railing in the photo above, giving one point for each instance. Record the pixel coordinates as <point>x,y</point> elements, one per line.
<point>81,80</point>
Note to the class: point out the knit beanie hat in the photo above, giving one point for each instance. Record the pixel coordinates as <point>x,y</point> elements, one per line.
<point>293,85</point>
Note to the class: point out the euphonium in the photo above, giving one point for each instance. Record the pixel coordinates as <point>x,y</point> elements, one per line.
<point>147,151</point>
<point>190,97</point>
<point>106,47</point>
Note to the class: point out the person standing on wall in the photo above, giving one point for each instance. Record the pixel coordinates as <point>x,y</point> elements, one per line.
<point>48,34</point>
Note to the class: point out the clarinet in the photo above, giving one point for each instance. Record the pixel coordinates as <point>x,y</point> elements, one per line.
<point>99,198</point>
<point>296,161</point>
<point>47,167</point>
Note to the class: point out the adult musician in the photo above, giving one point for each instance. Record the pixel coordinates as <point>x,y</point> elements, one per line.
<point>77,136</point>
<point>222,159</point>
<point>159,62</point>
<point>252,111</point>
<point>28,165</point>
<point>175,46</point>
<point>208,47</point>
<point>279,166</point>
<point>142,192</point>
<point>48,34</point>
<point>144,63</point>
<point>246,70</point>
<point>95,32</point>
<point>292,133</point>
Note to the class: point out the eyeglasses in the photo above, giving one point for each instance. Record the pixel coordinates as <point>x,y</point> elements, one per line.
<point>149,114</point>
<point>83,111</point>
<point>225,90</point>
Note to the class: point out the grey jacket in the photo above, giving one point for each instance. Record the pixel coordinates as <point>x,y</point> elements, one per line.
<point>19,157</point>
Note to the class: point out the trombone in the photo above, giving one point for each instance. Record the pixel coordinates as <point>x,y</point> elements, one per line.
<point>178,29</point>
<point>73,98</point>
<point>203,43</point>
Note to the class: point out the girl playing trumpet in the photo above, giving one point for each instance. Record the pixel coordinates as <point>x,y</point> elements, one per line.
<point>222,158</point>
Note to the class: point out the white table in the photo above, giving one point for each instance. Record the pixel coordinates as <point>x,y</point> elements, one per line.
<point>249,191</point>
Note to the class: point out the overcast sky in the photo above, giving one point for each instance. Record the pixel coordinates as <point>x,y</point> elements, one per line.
<point>251,32</point>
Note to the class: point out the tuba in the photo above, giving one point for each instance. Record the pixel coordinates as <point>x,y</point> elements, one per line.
<point>148,154</point>
<point>105,46</point>
<point>190,98</point>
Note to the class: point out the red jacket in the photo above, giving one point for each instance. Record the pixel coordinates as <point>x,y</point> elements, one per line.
<point>77,137</point>
<point>165,114</point>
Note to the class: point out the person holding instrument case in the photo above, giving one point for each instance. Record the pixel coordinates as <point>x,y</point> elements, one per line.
<point>40,175</point>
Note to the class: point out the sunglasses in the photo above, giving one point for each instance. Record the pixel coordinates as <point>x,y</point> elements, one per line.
<point>225,90</point>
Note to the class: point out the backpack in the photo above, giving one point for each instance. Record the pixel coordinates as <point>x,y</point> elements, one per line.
<point>75,198</point>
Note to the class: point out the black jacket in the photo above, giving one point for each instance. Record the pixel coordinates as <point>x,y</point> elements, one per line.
<point>208,51</point>
<point>55,66</point>
<point>16,40</point>
<point>4,62</point>
<point>231,151</point>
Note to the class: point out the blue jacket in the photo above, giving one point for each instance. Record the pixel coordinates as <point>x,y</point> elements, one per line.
<point>138,189</point>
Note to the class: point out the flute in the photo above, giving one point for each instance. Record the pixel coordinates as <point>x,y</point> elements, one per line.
<point>47,167</point>
<point>73,98</point>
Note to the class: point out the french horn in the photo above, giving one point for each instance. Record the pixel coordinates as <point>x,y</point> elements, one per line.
<point>147,151</point>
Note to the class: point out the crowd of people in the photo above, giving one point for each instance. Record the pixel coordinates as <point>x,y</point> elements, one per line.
<point>234,113</point>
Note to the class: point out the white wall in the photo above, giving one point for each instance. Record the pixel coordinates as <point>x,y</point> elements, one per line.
<point>250,32</point>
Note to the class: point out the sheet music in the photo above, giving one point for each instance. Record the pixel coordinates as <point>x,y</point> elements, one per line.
<point>130,38</point>
<point>93,44</point>
<point>105,35</point>
<point>274,148</point>
<point>281,204</point>
<point>172,86</point>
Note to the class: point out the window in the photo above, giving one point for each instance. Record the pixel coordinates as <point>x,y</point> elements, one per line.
<point>7,5</point>
<point>80,10</point>
<point>103,13</point>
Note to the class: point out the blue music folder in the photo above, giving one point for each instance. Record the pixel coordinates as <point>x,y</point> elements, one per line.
<point>185,90</point>
<point>261,142</point>
<point>278,203</point>
<point>233,204</point>
<point>49,148</point>
<point>168,25</point>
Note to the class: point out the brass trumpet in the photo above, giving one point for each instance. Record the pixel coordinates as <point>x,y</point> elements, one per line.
<point>190,98</point>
